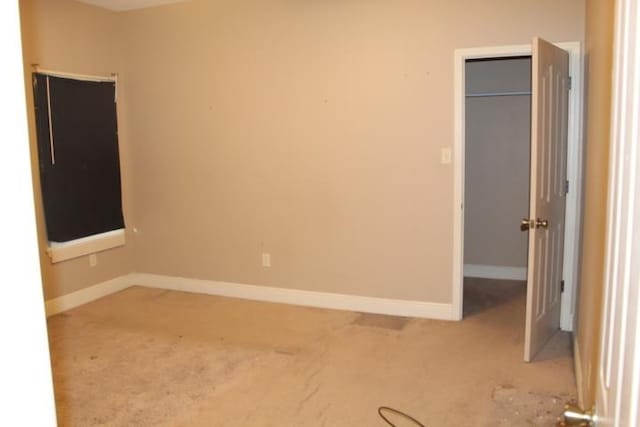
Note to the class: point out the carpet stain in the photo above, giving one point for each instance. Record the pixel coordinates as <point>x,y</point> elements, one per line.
<point>381,321</point>
<point>519,408</point>
<point>197,360</point>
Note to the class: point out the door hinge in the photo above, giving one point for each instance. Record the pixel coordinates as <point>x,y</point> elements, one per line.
<point>566,187</point>
<point>562,286</point>
<point>570,82</point>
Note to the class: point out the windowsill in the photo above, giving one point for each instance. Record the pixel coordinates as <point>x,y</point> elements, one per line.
<point>85,246</point>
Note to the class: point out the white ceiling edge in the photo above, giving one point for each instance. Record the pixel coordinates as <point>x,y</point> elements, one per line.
<point>124,5</point>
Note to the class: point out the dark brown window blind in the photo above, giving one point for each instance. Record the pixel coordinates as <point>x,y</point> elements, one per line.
<point>79,162</point>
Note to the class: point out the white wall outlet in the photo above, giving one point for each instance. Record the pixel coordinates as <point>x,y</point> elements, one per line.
<point>445,155</point>
<point>266,260</point>
<point>93,260</point>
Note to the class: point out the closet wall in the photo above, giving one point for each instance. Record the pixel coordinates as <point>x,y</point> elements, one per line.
<point>497,162</point>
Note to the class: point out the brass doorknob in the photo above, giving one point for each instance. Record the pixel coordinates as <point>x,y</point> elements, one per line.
<point>542,223</point>
<point>576,416</point>
<point>526,224</point>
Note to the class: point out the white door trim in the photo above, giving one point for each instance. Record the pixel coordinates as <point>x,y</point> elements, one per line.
<point>574,171</point>
<point>618,379</point>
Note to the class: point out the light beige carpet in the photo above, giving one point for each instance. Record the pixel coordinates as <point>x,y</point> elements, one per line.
<point>148,357</point>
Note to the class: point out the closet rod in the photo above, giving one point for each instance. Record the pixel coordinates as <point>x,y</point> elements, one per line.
<point>487,94</point>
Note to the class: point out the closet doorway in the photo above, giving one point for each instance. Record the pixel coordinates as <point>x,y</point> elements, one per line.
<point>497,161</point>
<point>555,201</point>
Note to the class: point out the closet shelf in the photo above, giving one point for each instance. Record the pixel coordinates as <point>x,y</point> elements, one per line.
<point>488,94</point>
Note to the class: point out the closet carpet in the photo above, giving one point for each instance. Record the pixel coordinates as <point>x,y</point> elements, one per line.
<point>149,357</point>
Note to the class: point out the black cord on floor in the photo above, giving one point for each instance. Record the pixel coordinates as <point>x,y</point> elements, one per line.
<point>397,412</point>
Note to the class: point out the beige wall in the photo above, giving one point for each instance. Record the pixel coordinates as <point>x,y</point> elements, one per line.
<point>599,48</point>
<point>310,130</point>
<point>68,36</point>
<point>498,130</point>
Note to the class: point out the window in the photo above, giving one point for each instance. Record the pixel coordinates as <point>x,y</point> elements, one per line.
<point>79,162</point>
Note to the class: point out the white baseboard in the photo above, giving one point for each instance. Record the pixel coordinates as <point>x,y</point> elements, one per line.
<point>83,296</point>
<point>365,304</point>
<point>495,272</point>
<point>298,297</point>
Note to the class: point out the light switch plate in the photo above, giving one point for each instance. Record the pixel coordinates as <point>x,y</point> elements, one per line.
<point>445,155</point>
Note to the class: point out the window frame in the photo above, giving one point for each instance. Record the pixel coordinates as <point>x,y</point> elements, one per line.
<point>62,251</point>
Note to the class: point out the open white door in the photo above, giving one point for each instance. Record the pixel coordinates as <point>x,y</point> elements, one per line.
<point>549,111</point>
<point>26,387</point>
<point>618,392</point>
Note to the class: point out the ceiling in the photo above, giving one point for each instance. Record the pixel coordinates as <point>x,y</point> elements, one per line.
<point>122,5</point>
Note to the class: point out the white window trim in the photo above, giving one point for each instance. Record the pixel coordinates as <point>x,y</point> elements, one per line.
<point>98,242</point>
<point>86,77</point>
<point>87,245</point>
